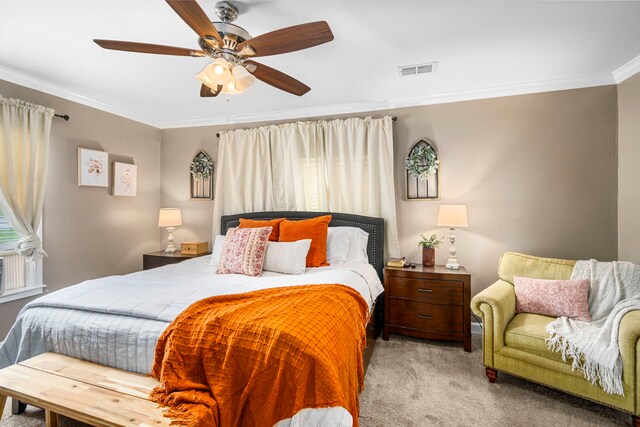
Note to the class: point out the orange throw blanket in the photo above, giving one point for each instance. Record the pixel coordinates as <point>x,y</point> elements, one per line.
<point>256,358</point>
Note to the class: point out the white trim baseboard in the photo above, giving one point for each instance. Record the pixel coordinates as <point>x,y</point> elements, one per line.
<point>476,328</point>
<point>627,70</point>
<point>523,88</point>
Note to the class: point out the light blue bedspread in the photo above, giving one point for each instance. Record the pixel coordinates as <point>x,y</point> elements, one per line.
<point>116,321</point>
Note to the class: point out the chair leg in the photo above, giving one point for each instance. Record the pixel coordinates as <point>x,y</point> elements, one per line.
<point>635,421</point>
<point>17,407</point>
<point>492,374</point>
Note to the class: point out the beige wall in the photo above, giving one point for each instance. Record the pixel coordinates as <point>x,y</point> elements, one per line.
<point>538,173</point>
<point>87,232</point>
<point>629,169</point>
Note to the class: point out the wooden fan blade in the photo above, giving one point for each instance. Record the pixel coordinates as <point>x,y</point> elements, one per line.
<point>191,13</point>
<point>289,39</point>
<point>206,92</point>
<point>278,79</point>
<point>147,48</point>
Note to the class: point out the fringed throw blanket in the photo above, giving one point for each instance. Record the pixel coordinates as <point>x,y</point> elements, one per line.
<point>256,358</point>
<point>615,290</point>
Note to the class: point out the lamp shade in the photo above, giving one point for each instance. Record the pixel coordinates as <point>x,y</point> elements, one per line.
<point>170,217</point>
<point>453,216</point>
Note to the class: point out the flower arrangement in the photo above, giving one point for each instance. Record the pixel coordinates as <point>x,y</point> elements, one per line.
<point>432,241</point>
<point>422,162</point>
<point>202,166</point>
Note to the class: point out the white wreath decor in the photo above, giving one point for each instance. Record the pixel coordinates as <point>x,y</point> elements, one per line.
<point>422,162</point>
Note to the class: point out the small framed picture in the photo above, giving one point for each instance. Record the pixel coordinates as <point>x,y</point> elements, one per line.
<point>125,179</point>
<point>93,168</point>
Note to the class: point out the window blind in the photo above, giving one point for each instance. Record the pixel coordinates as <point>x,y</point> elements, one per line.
<point>7,234</point>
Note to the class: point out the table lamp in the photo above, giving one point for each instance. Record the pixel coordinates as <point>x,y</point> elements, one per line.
<point>453,216</point>
<point>170,218</point>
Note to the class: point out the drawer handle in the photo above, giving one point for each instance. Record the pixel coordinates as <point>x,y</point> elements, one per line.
<point>424,316</point>
<point>424,290</point>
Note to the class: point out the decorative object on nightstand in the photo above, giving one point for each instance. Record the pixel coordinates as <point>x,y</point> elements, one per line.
<point>429,245</point>
<point>452,217</point>
<point>196,247</point>
<point>428,302</point>
<point>170,218</point>
<point>161,258</point>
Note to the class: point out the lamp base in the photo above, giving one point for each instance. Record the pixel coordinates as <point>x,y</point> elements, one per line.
<point>170,247</point>
<point>452,264</point>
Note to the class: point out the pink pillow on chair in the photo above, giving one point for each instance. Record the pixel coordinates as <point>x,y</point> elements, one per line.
<point>243,251</point>
<point>569,298</point>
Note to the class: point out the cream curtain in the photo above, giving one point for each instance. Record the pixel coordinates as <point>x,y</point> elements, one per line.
<point>337,166</point>
<point>299,172</point>
<point>24,149</point>
<point>360,168</point>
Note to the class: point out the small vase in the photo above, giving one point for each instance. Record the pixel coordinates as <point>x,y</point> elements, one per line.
<point>428,257</point>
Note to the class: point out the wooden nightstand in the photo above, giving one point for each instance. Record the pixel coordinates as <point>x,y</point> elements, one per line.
<point>160,258</point>
<point>428,302</point>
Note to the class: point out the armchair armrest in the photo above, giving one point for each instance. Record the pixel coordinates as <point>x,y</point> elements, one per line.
<point>496,305</point>
<point>629,342</point>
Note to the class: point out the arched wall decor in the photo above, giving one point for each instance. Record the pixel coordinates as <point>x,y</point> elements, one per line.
<point>201,171</point>
<point>422,169</point>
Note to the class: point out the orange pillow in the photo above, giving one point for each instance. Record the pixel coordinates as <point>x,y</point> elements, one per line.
<point>259,223</point>
<point>314,229</point>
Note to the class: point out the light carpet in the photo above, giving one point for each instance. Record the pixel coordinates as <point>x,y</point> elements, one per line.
<point>415,383</point>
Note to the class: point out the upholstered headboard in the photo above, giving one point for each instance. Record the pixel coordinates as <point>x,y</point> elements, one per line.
<point>373,226</point>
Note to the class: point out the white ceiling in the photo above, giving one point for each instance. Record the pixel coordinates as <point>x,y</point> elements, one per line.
<point>484,49</point>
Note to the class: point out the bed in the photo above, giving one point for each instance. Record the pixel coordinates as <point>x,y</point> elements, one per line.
<point>116,321</point>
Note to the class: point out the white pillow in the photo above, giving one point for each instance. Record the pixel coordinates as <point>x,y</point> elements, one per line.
<point>348,244</point>
<point>287,257</point>
<point>216,253</point>
<point>280,257</point>
<point>337,245</point>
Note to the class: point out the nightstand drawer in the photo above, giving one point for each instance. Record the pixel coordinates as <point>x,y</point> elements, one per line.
<point>427,317</point>
<point>427,290</point>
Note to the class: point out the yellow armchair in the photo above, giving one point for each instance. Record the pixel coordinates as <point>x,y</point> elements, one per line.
<point>514,343</point>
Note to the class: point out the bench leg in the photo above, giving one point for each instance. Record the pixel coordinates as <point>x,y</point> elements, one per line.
<point>17,407</point>
<point>51,418</point>
<point>3,400</point>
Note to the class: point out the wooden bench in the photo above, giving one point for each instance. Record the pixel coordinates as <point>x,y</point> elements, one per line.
<point>85,391</point>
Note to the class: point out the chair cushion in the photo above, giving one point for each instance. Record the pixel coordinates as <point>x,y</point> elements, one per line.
<point>527,332</point>
<point>515,264</point>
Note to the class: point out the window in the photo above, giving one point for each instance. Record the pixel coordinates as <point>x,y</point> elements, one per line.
<point>18,278</point>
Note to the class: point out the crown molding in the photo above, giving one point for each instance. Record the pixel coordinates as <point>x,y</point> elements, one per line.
<point>31,82</point>
<point>438,98</point>
<point>627,70</point>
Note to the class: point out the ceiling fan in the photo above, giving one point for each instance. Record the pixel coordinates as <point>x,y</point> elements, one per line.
<point>231,47</point>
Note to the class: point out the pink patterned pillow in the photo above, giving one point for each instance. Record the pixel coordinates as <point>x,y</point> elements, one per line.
<point>243,251</point>
<point>556,298</point>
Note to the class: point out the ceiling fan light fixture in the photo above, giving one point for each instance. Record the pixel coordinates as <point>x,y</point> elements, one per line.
<point>231,88</point>
<point>216,73</point>
<point>243,79</point>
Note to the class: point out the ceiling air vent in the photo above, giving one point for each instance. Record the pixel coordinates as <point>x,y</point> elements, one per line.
<point>411,70</point>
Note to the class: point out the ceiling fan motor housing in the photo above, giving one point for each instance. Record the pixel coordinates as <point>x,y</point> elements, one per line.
<point>231,35</point>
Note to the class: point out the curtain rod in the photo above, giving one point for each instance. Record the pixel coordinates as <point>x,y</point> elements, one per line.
<point>65,117</point>
<point>394,118</point>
